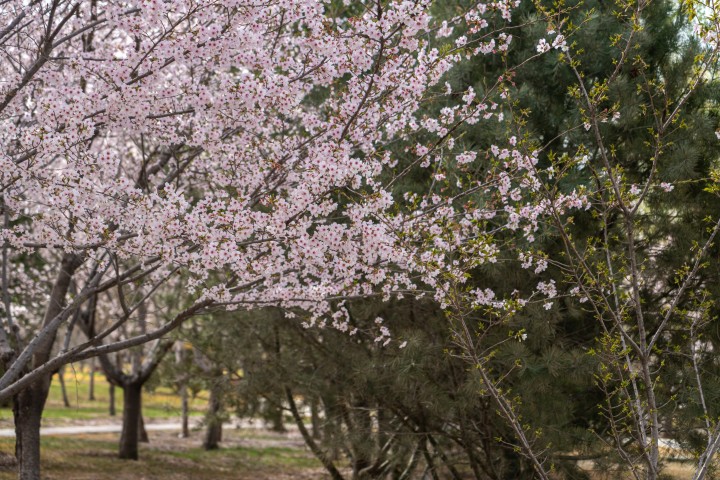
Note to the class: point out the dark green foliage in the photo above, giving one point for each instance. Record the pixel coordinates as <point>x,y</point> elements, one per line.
<point>545,374</point>
<point>385,410</point>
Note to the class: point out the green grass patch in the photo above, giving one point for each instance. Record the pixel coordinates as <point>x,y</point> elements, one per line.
<point>158,404</point>
<point>166,457</point>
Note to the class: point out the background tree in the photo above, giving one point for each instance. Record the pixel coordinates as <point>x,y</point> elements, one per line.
<point>635,268</point>
<point>385,411</point>
<point>140,141</point>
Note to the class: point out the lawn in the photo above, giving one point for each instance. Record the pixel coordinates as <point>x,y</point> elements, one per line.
<point>162,403</point>
<point>246,455</point>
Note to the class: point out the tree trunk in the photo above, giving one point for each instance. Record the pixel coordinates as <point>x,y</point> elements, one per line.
<point>327,462</point>
<point>91,395</point>
<point>27,413</point>
<point>275,414</point>
<point>315,418</point>
<point>111,394</point>
<point>132,410</point>
<point>359,425</point>
<point>28,405</point>
<point>213,433</point>
<point>185,412</point>
<point>63,389</point>
<point>181,354</point>
<point>142,433</point>
<point>331,428</point>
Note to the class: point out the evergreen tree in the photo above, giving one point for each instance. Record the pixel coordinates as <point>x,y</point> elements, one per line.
<point>557,384</point>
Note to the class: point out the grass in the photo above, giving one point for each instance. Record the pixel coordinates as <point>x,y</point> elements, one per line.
<point>246,454</point>
<point>162,403</point>
<point>167,457</point>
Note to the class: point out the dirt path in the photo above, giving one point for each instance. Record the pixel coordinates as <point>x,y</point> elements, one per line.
<point>117,428</point>
<point>82,429</point>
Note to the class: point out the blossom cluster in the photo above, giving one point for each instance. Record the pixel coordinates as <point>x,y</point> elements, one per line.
<point>187,135</point>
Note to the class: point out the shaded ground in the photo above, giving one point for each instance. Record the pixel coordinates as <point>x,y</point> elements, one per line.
<point>250,453</point>
<point>246,455</point>
<point>671,471</point>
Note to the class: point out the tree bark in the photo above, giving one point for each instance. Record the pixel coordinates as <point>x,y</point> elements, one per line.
<point>111,394</point>
<point>327,462</point>
<point>315,418</point>
<point>29,403</point>
<point>213,433</point>
<point>359,424</point>
<point>27,412</point>
<point>185,411</point>
<point>91,395</point>
<point>181,354</point>
<point>132,411</point>
<point>133,430</point>
<point>142,433</point>
<point>63,389</point>
<point>275,414</point>
<point>331,427</point>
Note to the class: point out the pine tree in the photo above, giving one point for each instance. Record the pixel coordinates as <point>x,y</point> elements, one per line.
<point>551,372</point>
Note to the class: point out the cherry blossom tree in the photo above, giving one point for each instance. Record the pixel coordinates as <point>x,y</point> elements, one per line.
<point>239,145</point>
<point>252,152</point>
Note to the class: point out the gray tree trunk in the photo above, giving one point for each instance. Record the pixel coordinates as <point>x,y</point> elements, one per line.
<point>111,394</point>
<point>142,433</point>
<point>91,395</point>
<point>132,411</point>
<point>185,409</point>
<point>28,405</point>
<point>27,412</point>
<point>182,383</point>
<point>63,389</point>
<point>275,415</point>
<point>133,429</point>
<point>213,433</point>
